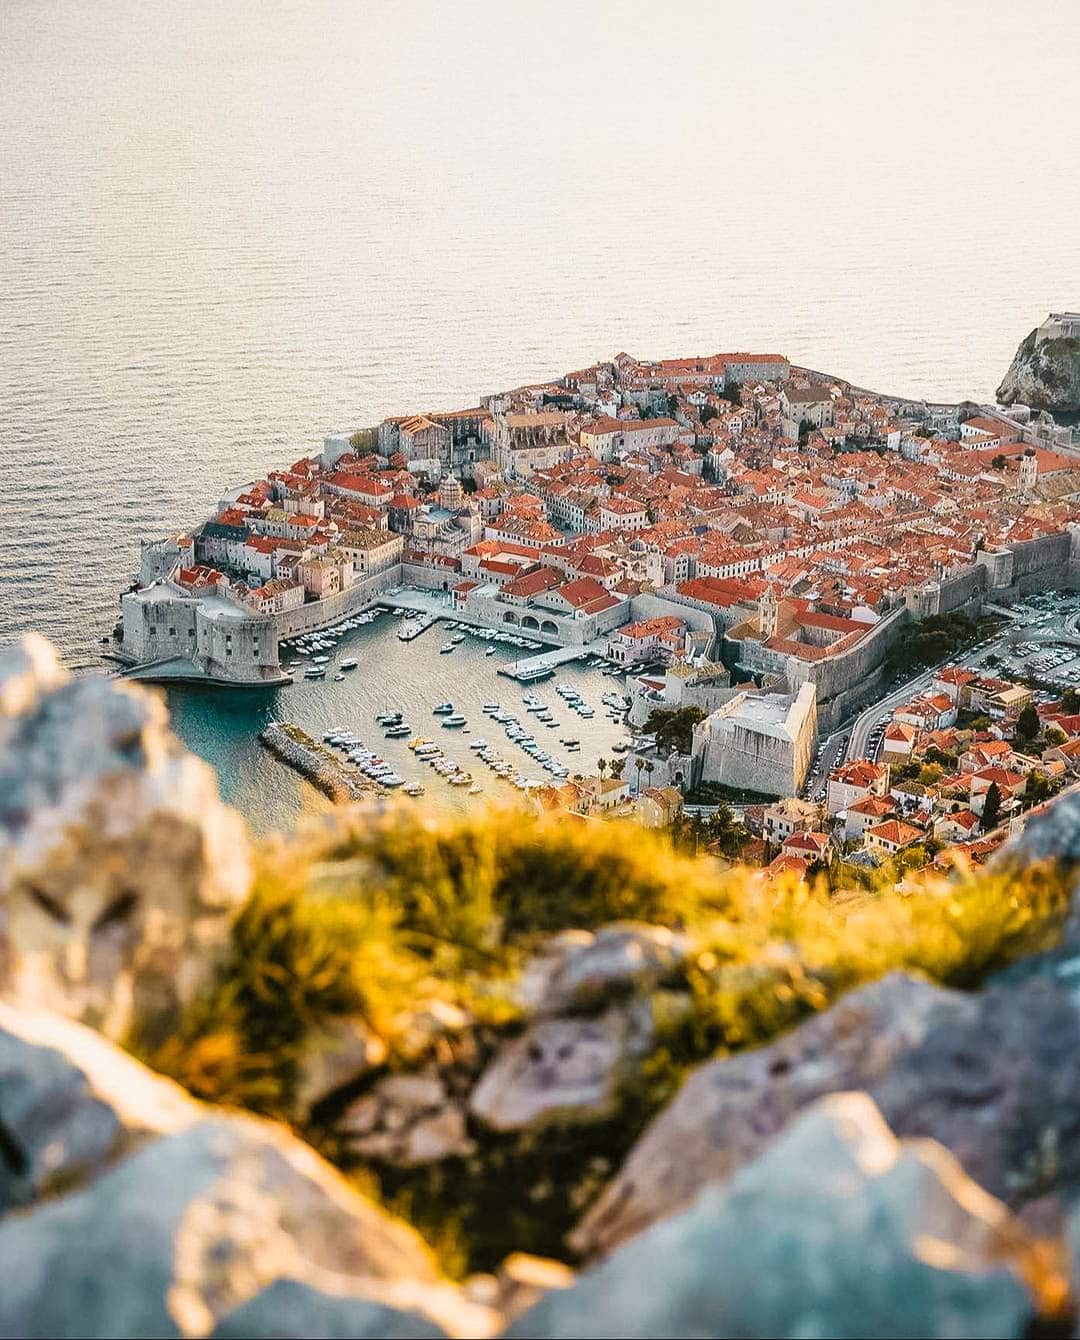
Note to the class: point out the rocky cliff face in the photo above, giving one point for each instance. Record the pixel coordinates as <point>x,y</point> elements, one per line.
<point>1044,375</point>
<point>725,1128</point>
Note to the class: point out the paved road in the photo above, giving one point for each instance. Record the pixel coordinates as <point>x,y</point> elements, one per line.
<point>1024,631</point>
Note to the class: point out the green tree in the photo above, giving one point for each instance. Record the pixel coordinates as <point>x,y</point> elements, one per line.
<point>733,393</point>
<point>674,726</point>
<point>991,808</point>
<point>1028,724</point>
<point>707,414</point>
<point>601,767</point>
<point>998,463</point>
<point>364,442</point>
<point>1070,701</point>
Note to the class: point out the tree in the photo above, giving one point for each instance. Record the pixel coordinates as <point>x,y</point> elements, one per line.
<point>1070,701</point>
<point>998,463</point>
<point>733,392</point>
<point>363,442</point>
<point>991,807</point>
<point>707,413</point>
<point>1028,724</point>
<point>601,767</point>
<point>617,766</point>
<point>674,726</point>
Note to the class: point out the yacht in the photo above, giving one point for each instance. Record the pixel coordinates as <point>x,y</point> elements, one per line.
<point>389,718</point>
<point>443,709</point>
<point>454,720</point>
<point>490,651</point>
<point>491,707</point>
<point>457,638</point>
<point>398,732</point>
<point>339,677</point>
<point>350,664</point>
<point>476,789</point>
<point>413,789</point>
<point>315,672</point>
<point>446,647</point>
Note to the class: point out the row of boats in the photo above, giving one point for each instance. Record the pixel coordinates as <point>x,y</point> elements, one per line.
<point>316,647</point>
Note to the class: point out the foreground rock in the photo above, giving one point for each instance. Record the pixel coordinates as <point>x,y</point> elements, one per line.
<point>119,865</point>
<point>1044,374</point>
<point>837,1230</point>
<point>995,1077</point>
<point>162,1217</point>
<point>71,1104</point>
<point>566,1069</point>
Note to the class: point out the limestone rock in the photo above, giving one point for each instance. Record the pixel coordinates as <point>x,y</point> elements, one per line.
<point>1053,833</point>
<point>1044,374</point>
<point>994,1077</point>
<point>70,1104</point>
<point>119,865</point>
<point>581,970</point>
<point>728,1110</point>
<point>838,1229</point>
<point>335,1055</point>
<point>562,1068</point>
<point>287,1309</point>
<point>406,1120</point>
<point>197,1223</point>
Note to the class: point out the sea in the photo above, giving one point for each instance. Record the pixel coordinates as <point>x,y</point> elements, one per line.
<point>228,227</point>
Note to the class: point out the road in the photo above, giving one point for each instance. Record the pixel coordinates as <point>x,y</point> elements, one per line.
<point>1023,627</point>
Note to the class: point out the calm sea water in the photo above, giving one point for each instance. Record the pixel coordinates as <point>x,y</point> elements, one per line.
<point>410,677</point>
<point>228,226</point>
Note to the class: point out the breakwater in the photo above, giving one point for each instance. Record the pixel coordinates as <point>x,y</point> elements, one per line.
<point>325,772</point>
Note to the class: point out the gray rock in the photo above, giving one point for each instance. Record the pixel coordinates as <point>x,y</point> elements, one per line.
<point>580,970</point>
<point>562,1068</point>
<point>727,1111</point>
<point>1044,375</point>
<point>408,1120</point>
<point>195,1224</point>
<point>1053,833</point>
<point>837,1230</point>
<point>994,1077</point>
<point>335,1054</point>
<point>70,1104</point>
<point>119,865</point>
<point>287,1309</point>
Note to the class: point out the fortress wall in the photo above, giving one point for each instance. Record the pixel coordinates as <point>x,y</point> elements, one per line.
<point>157,630</point>
<point>242,650</point>
<point>321,613</point>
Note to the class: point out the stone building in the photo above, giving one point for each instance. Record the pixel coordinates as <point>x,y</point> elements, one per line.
<point>758,742</point>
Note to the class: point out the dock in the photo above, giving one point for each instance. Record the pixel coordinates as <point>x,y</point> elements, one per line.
<point>313,761</point>
<point>545,663</point>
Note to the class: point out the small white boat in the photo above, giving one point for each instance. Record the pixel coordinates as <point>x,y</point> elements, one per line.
<point>350,664</point>
<point>453,721</point>
<point>490,651</point>
<point>339,677</point>
<point>443,709</point>
<point>445,648</point>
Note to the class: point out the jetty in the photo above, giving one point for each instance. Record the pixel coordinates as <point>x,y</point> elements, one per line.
<point>545,663</point>
<point>317,764</point>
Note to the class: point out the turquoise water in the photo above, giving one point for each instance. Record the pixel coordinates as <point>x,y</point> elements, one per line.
<point>412,677</point>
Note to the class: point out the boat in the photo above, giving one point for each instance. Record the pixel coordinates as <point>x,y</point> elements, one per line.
<point>457,638</point>
<point>490,651</point>
<point>454,720</point>
<point>443,709</point>
<point>419,742</point>
<point>398,732</point>
<point>446,647</point>
<point>413,789</point>
<point>315,672</point>
<point>389,718</point>
<point>339,677</point>
<point>491,707</point>
<point>350,664</point>
<point>476,789</point>
<point>392,779</point>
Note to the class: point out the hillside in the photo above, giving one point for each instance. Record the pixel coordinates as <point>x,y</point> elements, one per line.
<point>506,1074</point>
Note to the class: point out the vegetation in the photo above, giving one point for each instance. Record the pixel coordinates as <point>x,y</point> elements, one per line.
<point>674,726</point>
<point>378,916</point>
<point>364,442</point>
<point>930,641</point>
<point>991,807</point>
<point>1028,726</point>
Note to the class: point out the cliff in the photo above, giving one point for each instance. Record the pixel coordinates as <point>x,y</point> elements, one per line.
<point>501,1075</point>
<point>1045,374</point>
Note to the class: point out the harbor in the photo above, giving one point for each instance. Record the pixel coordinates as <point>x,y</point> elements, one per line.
<point>366,671</point>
